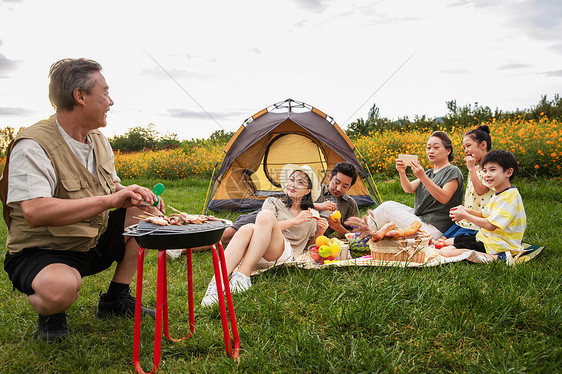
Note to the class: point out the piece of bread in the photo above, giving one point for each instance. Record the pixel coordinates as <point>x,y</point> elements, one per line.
<point>315,213</point>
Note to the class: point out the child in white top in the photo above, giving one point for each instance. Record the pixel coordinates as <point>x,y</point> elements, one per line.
<point>476,143</point>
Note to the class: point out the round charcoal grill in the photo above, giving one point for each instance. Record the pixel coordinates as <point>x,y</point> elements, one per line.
<point>149,235</point>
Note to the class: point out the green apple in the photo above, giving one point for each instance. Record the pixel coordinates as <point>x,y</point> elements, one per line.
<point>324,251</point>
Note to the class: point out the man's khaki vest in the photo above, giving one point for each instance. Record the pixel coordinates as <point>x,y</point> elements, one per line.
<point>74,181</point>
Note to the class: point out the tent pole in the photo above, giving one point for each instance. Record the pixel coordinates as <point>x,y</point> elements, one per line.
<point>213,178</point>
<point>377,194</point>
<point>374,190</point>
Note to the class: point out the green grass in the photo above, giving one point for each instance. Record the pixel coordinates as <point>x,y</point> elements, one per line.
<point>454,318</point>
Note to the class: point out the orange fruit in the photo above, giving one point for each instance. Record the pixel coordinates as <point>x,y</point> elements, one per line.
<point>335,215</point>
<point>322,240</point>
<point>334,249</point>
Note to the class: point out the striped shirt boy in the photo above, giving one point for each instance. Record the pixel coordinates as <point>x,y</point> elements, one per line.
<point>504,210</point>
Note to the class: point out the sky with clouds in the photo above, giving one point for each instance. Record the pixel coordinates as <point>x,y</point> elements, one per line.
<point>194,67</point>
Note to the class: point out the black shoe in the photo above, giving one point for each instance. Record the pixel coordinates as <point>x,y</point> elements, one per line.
<point>52,328</point>
<point>124,305</point>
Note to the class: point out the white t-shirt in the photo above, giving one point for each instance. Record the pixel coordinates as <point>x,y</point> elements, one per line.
<point>32,175</point>
<point>474,201</point>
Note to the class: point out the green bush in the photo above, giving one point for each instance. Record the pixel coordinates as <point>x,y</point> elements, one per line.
<point>142,138</point>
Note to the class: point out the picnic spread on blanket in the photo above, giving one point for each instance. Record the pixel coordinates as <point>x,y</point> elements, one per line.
<point>388,246</point>
<point>430,258</point>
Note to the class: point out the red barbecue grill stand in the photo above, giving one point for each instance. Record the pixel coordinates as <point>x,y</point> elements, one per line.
<point>162,305</point>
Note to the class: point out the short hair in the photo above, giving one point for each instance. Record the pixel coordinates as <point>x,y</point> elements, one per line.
<point>346,169</point>
<point>481,134</point>
<point>504,159</point>
<point>447,142</point>
<point>67,75</point>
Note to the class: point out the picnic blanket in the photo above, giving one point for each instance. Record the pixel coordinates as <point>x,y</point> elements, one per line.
<point>433,259</point>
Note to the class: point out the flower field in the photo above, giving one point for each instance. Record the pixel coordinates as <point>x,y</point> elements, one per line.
<point>168,164</point>
<point>537,144</point>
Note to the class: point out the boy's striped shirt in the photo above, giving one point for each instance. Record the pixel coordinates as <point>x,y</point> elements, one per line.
<point>504,210</point>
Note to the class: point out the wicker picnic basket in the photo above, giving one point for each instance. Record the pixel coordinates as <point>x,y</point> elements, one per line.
<point>409,249</point>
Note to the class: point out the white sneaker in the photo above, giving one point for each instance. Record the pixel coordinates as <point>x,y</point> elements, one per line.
<point>509,259</point>
<point>211,296</point>
<point>173,254</point>
<point>506,256</point>
<point>239,282</point>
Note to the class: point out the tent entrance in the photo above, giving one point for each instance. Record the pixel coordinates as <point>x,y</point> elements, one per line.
<point>283,149</point>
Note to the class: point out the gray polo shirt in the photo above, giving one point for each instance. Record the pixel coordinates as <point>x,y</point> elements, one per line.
<point>428,208</point>
<point>346,205</point>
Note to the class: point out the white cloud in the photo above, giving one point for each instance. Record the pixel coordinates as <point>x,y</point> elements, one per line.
<point>554,73</point>
<point>315,5</point>
<point>515,66</point>
<point>9,112</point>
<point>6,65</point>
<point>198,114</point>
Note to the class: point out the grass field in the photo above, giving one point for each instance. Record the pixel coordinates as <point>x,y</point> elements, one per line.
<point>455,318</point>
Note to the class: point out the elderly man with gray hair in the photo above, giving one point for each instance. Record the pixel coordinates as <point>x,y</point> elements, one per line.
<point>64,205</point>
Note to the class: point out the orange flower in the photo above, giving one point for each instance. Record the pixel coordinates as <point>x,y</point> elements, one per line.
<point>536,166</point>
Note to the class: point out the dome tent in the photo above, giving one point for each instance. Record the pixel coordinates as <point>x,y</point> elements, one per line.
<point>286,132</point>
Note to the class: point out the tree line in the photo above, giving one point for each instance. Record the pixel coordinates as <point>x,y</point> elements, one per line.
<point>141,138</point>
<point>467,115</point>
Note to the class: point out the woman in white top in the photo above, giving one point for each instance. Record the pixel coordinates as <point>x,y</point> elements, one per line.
<point>281,232</point>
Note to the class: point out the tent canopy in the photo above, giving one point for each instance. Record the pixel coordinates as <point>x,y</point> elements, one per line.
<point>287,132</point>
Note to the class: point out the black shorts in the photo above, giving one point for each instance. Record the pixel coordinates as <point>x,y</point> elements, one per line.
<point>468,241</point>
<point>24,266</point>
